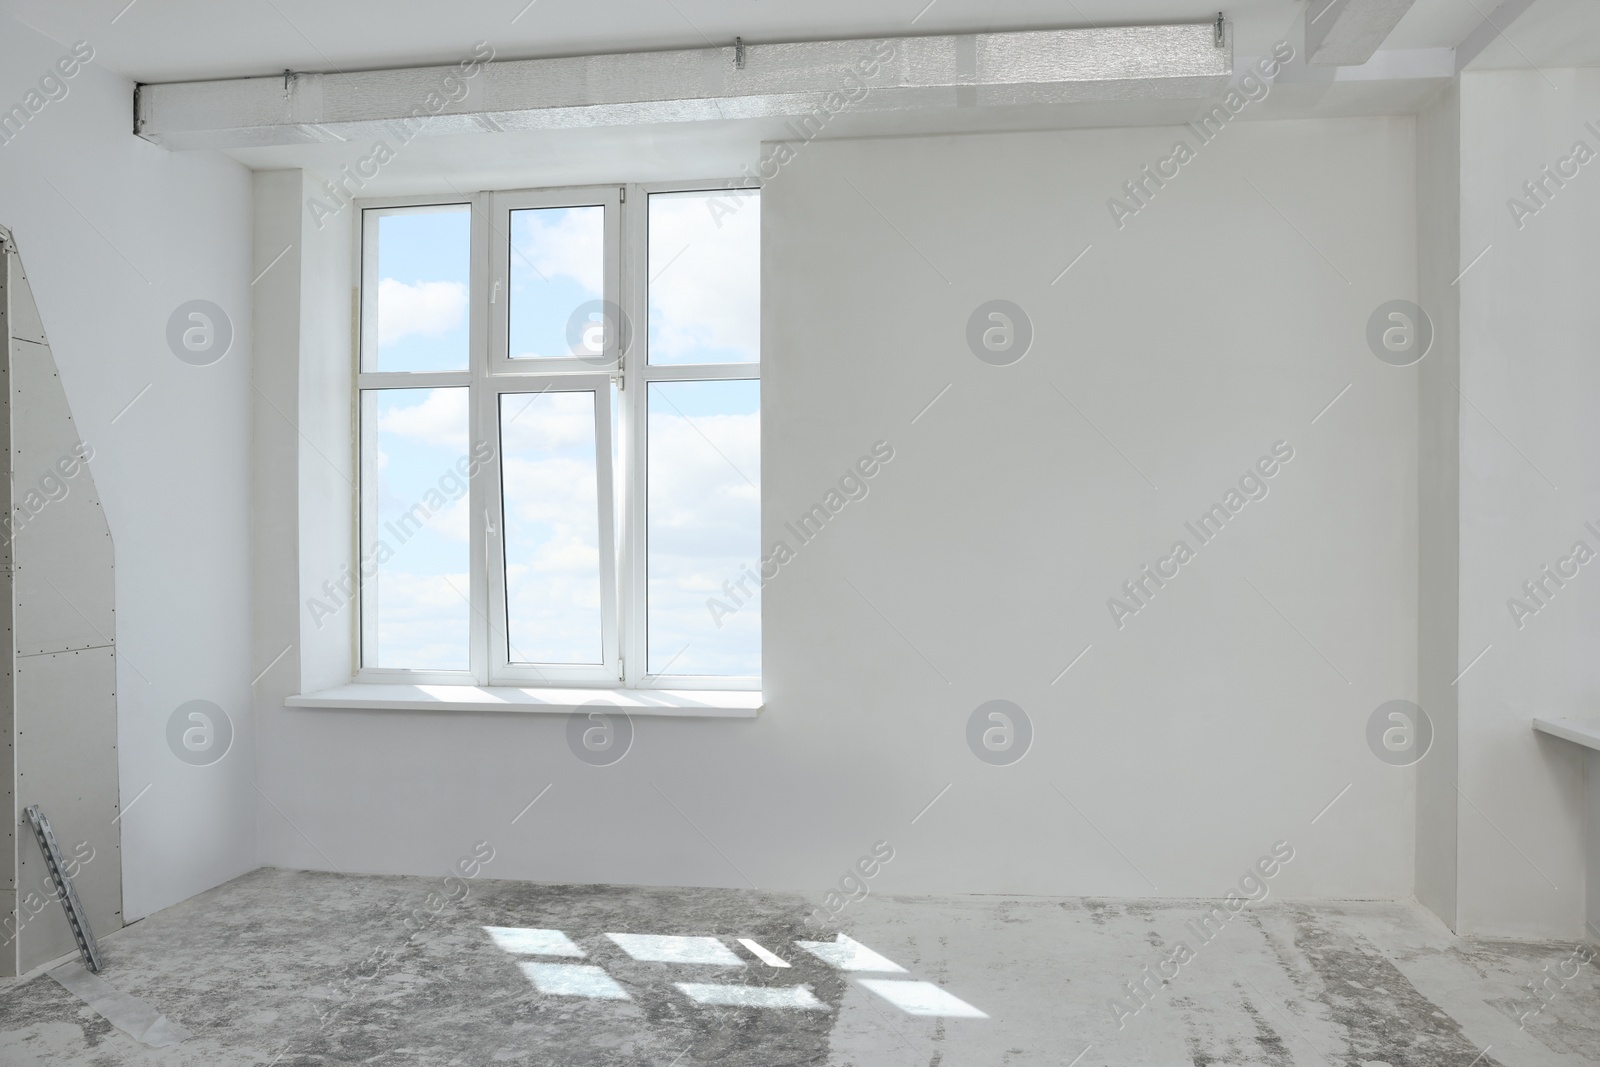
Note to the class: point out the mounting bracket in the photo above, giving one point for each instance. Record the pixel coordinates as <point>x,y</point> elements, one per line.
<point>63,882</point>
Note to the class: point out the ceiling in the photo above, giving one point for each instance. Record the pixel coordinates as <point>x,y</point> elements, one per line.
<point>1551,33</point>
<point>185,40</point>
<point>1438,23</point>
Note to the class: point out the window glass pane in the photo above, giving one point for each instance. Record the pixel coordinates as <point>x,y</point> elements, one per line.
<point>557,282</point>
<point>422,279</point>
<point>552,527</point>
<point>705,277</point>
<point>415,558</point>
<point>703,519</point>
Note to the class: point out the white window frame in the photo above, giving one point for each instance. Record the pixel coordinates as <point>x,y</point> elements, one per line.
<point>492,374</point>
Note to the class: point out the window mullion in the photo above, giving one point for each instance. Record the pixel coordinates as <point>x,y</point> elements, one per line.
<point>616,340</point>
<point>480,428</point>
<point>606,497</point>
<point>630,559</point>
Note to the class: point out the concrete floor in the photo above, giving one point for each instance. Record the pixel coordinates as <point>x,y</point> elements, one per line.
<point>298,968</point>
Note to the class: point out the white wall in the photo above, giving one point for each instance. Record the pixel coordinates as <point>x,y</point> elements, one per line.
<point>303,455</point>
<point>1528,484</point>
<point>116,233</point>
<point>1220,320</point>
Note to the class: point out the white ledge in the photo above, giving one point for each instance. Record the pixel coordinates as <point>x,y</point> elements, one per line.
<point>681,703</point>
<point>1585,732</point>
<point>484,94</point>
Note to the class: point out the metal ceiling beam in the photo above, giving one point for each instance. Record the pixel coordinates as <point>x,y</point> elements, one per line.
<point>745,81</point>
<point>1345,33</point>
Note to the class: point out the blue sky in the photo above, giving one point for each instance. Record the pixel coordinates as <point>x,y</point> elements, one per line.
<point>423,276</point>
<point>557,266</point>
<point>703,440</point>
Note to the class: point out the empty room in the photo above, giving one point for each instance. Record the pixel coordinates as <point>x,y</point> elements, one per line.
<point>901,533</point>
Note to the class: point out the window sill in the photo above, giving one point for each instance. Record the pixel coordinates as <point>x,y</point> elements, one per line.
<point>1585,732</point>
<point>678,703</point>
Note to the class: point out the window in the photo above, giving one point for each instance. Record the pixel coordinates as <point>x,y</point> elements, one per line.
<point>550,495</point>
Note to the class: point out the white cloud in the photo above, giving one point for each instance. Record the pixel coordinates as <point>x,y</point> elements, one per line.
<point>546,422</point>
<point>423,622</point>
<point>705,288</point>
<point>561,242</point>
<point>554,618</point>
<point>428,308</point>
<point>454,521</point>
<point>439,418</point>
<point>704,530</point>
<point>702,500</point>
<point>552,534</point>
<point>558,493</point>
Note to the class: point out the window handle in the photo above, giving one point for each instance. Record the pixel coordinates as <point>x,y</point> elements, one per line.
<point>494,291</point>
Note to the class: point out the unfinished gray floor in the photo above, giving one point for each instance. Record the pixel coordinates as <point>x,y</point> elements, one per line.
<point>296,968</point>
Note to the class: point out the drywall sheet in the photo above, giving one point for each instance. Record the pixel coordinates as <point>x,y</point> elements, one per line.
<point>63,547</point>
<point>8,723</point>
<point>68,767</point>
<point>63,723</point>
